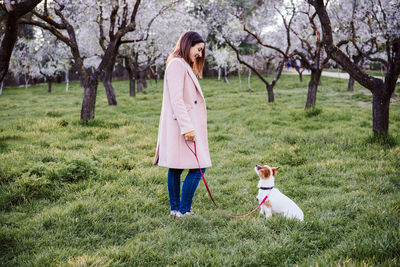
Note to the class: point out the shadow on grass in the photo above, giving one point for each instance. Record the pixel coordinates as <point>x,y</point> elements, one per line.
<point>385,140</point>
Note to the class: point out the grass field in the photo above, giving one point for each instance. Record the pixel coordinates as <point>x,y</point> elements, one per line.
<point>88,195</point>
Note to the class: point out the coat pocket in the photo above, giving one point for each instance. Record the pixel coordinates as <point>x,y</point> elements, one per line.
<point>189,108</point>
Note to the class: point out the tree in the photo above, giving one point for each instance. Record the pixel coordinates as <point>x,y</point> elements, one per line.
<point>311,51</point>
<point>298,66</point>
<point>137,59</point>
<point>71,16</point>
<point>14,10</point>
<point>137,65</point>
<point>20,62</point>
<point>384,17</point>
<point>51,58</point>
<point>224,59</point>
<point>226,20</point>
<point>141,33</point>
<point>146,52</point>
<point>344,16</point>
<point>269,39</point>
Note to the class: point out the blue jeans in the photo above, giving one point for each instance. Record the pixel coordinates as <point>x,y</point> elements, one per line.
<point>190,184</point>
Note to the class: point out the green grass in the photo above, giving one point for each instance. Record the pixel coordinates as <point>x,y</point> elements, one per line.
<point>376,72</point>
<point>88,195</point>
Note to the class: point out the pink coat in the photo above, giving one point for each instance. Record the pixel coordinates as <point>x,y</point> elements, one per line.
<point>183,110</point>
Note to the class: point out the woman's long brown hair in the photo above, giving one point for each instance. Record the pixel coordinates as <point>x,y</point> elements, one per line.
<point>182,49</point>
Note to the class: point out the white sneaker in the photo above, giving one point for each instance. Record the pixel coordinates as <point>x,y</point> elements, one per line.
<point>173,212</point>
<point>180,215</point>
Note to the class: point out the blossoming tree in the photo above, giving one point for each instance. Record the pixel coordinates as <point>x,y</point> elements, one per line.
<point>384,17</point>
<point>14,10</point>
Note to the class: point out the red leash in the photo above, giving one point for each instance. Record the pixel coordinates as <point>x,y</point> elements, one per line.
<point>209,192</point>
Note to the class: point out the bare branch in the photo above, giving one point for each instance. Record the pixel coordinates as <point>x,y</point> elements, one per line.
<point>45,26</point>
<point>47,19</point>
<point>134,12</point>
<point>261,42</point>
<point>340,57</point>
<point>124,16</point>
<point>102,38</point>
<point>144,38</point>
<point>19,8</point>
<point>112,20</point>
<point>244,62</point>
<point>46,13</point>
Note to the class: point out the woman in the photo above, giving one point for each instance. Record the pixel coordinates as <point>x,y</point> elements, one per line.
<point>183,119</point>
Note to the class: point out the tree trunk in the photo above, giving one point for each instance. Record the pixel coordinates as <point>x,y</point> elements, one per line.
<point>139,86</point>
<point>154,73</point>
<point>49,83</point>
<point>270,90</point>
<point>131,75</point>
<point>26,81</point>
<point>248,80</point>
<point>111,98</point>
<point>219,74</point>
<point>7,45</point>
<point>143,76</point>
<point>107,81</point>
<point>380,112</point>
<point>225,76</point>
<point>350,85</point>
<point>132,86</point>
<point>270,86</point>
<point>240,80</point>
<point>297,68</point>
<point>66,80</point>
<point>312,88</point>
<point>89,99</point>
<point>381,91</point>
<point>158,73</point>
<point>268,67</point>
<point>141,81</point>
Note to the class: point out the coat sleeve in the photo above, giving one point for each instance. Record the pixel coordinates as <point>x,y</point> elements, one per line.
<point>175,81</point>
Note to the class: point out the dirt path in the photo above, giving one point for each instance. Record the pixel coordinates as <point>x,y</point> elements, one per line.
<point>327,73</point>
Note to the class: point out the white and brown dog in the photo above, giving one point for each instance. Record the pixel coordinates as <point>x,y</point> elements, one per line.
<point>276,201</point>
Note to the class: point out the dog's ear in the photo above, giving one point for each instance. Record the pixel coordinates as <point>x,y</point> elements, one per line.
<point>275,170</point>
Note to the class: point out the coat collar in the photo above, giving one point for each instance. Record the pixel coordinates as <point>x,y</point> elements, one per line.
<point>193,76</point>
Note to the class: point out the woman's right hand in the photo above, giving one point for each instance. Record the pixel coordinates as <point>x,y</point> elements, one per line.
<point>190,137</point>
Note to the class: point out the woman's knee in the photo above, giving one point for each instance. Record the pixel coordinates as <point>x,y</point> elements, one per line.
<point>195,173</point>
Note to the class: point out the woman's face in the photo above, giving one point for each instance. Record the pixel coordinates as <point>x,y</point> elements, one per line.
<point>196,52</point>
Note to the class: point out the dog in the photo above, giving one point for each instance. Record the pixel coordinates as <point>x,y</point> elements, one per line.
<point>276,202</point>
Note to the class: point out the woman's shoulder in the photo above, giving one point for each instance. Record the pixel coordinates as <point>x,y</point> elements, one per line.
<point>175,60</point>
<point>177,64</point>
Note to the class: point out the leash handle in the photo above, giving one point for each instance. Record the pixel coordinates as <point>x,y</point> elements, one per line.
<point>209,192</point>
